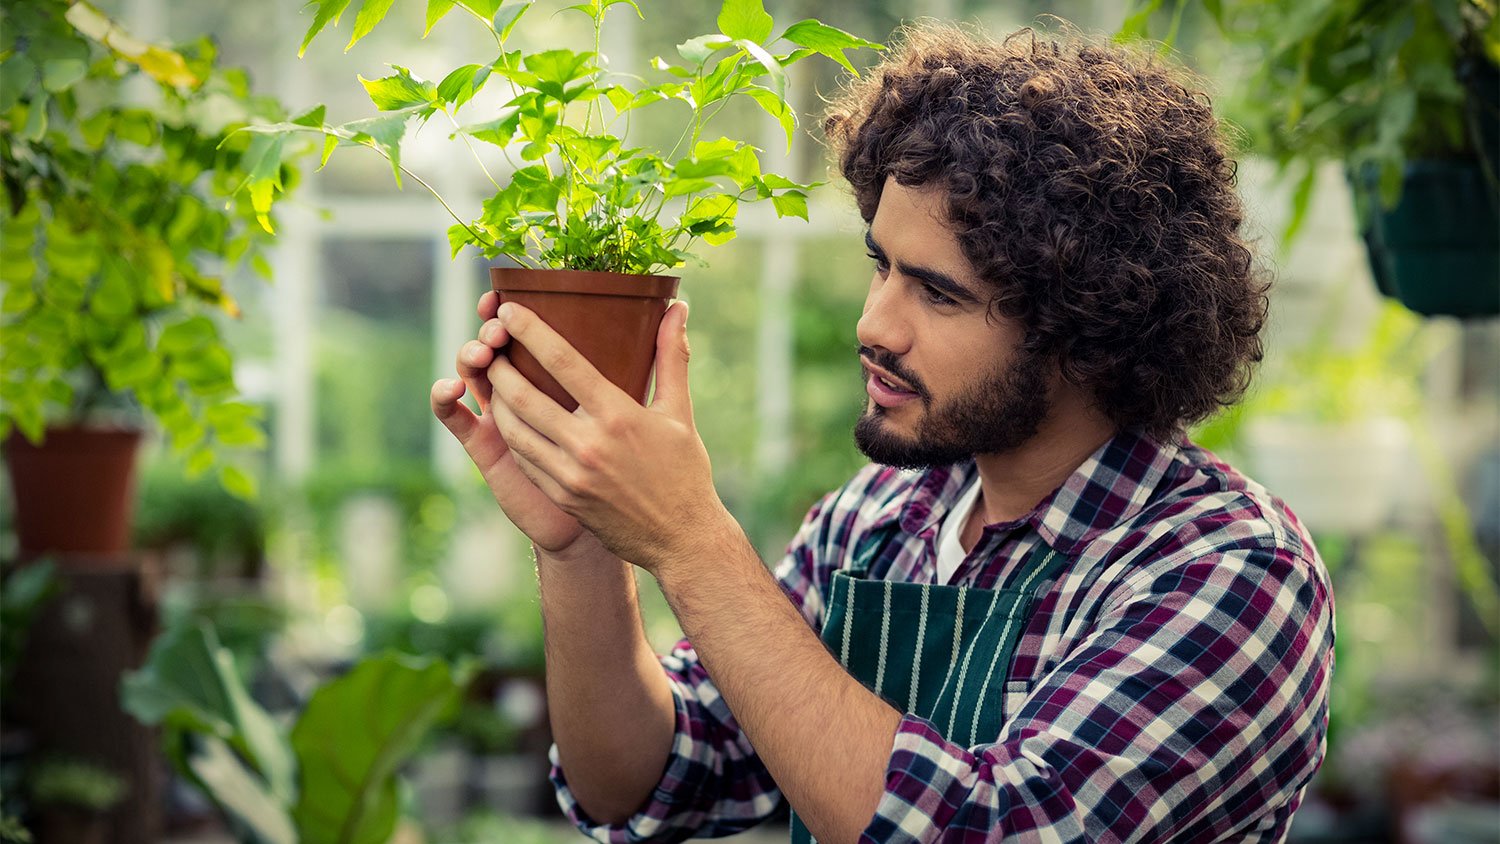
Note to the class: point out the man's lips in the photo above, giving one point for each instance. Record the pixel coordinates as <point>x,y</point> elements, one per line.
<point>885,389</point>
<point>893,383</point>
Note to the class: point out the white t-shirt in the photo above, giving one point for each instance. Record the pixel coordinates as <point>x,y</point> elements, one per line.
<point>950,551</point>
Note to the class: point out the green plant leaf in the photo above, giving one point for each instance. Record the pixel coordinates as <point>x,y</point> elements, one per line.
<point>771,65</point>
<point>328,12</point>
<point>189,683</point>
<point>745,20</point>
<point>16,75</point>
<point>1136,24</point>
<point>697,50</point>
<point>554,69</point>
<point>239,482</point>
<point>506,17</point>
<point>240,793</point>
<point>828,40</point>
<point>436,9</point>
<point>187,336</point>
<point>463,83</point>
<point>499,132</point>
<point>370,14</point>
<point>384,133</point>
<point>777,108</point>
<point>393,93</point>
<point>354,734</point>
<point>61,74</point>
<point>790,204</point>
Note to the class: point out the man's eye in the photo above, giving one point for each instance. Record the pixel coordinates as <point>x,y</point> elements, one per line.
<point>881,265</point>
<point>937,297</point>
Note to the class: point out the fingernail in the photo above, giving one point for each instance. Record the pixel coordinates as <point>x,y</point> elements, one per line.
<point>504,313</point>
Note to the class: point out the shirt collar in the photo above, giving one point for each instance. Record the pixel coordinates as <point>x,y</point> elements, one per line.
<point>1111,486</point>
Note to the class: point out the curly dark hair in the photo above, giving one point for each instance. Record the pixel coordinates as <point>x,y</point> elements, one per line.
<point>1092,188</point>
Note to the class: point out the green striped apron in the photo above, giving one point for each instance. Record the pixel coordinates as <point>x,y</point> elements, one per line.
<point>940,652</point>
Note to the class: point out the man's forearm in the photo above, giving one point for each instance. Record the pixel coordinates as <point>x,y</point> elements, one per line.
<point>608,699</point>
<point>825,738</point>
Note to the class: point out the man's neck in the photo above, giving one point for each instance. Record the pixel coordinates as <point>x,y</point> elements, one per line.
<point>1013,483</point>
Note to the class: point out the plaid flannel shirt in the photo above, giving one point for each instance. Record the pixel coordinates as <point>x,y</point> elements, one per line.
<point>1172,685</point>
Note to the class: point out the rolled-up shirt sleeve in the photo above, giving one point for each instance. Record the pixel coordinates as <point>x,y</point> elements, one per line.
<point>714,784</point>
<point>1195,711</point>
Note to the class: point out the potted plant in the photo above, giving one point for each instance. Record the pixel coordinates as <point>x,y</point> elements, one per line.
<point>590,221</point>
<point>73,798</point>
<point>332,777</point>
<point>1406,96</point>
<point>114,233</point>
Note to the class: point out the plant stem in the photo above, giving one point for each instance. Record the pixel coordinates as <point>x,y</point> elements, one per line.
<point>477,159</point>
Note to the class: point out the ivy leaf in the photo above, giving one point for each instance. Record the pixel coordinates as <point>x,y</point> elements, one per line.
<point>328,12</point>
<point>393,93</point>
<point>372,13</point>
<point>745,20</point>
<point>828,40</point>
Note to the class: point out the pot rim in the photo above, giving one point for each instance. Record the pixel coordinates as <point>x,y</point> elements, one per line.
<point>586,282</point>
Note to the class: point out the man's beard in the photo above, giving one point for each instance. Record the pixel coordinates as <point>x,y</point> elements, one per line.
<point>997,414</point>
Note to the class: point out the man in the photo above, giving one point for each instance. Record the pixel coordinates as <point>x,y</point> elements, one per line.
<point>1069,623</point>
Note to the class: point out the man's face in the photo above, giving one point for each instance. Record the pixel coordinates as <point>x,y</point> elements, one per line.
<point>946,381</point>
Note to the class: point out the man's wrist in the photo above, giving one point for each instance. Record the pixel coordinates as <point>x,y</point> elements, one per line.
<point>583,553</point>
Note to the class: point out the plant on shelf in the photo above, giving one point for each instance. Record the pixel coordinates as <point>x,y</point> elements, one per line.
<point>1406,96</point>
<point>120,218</point>
<point>577,196</point>
<point>332,777</point>
<point>73,798</point>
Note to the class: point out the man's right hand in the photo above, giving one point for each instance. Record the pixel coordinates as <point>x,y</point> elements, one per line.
<point>548,527</point>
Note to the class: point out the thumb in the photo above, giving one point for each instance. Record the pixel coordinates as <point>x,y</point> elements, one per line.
<point>672,355</point>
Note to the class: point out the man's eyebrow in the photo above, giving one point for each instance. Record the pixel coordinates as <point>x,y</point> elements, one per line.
<point>945,283</point>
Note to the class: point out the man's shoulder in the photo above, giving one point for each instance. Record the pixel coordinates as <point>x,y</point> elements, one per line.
<point>1206,507</point>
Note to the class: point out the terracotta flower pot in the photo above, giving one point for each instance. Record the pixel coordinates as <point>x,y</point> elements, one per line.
<point>610,318</point>
<point>74,493</point>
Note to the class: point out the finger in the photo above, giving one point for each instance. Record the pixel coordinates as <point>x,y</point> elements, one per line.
<point>489,302</point>
<point>549,487</point>
<point>473,359</point>
<point>537,409</point>
<point>462,423</point>
<point>672,355</point>
<point>530,444</point>
<point>563,362</point>
<point>493,334</point>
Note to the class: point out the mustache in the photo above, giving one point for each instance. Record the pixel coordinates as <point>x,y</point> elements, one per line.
<point>889,362</point>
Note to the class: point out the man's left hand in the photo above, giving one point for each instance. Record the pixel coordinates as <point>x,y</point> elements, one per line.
<point>638,477</point>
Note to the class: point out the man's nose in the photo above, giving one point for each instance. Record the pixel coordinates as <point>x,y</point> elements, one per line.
<point>882,325</point>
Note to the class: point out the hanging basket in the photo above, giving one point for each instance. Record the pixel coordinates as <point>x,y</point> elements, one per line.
<point>1438,250</point>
